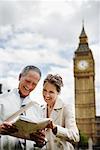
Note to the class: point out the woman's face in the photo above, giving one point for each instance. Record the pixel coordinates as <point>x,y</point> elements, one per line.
<point>50,93</point>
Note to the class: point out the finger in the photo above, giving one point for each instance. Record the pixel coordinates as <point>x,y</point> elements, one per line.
<point>42,133</point>
<point>7,123</point>
<point>6,126</point>
<point>37,137</point>
<point>8,129</point>
<point>4,132</point>
<point>12,130</point>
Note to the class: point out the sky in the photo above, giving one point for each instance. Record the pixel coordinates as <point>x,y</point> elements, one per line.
<point>46,33</point>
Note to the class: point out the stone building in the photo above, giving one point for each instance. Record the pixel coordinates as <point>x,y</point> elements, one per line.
<point>84,81</point>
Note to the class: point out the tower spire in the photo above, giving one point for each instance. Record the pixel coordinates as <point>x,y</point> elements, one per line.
<point>83,34</point>
<point>83,40</point>
<point>82,22</point>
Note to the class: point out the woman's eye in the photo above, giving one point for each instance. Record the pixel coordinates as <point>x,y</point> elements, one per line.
<point>44,90</point>
<point>51,92</point>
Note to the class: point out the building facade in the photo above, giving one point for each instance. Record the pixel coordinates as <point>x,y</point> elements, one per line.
<point>84,81</point>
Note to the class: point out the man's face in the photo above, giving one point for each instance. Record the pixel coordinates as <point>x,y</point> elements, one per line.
<point>28,82</point>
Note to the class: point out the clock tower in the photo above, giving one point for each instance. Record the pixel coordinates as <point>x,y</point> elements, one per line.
<point>84,81</point>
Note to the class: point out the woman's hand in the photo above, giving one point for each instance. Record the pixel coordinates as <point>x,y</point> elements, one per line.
<point>51,125</point>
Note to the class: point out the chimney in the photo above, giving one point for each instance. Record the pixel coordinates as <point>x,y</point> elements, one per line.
<point>0,88</point>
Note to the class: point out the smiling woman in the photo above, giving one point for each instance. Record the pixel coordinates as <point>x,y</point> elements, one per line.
<point>63,130</point>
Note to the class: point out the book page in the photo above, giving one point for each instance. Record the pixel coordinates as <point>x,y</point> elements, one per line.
<point>25,127</point>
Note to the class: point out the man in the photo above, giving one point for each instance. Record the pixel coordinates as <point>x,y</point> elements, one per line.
<point>11,102</point>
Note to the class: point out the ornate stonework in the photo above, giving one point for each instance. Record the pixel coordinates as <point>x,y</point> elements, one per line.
<point>84,75</point>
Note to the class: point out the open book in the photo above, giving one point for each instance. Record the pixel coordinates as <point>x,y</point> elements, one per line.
<point>25,127</point>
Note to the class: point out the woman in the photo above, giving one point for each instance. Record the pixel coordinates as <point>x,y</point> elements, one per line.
<point>63,130</point>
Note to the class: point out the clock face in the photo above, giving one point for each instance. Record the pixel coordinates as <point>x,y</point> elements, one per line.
<point>83,64</point>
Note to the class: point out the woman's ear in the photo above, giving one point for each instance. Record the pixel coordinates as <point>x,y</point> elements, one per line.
<point>20,76</point>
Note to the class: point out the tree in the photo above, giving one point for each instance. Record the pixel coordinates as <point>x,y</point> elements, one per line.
<point>83,143</point>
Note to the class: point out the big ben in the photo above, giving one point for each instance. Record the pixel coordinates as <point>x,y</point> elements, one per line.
<point>84,81</point>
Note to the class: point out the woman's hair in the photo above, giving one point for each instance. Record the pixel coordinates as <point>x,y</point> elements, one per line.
<point>55,80</point>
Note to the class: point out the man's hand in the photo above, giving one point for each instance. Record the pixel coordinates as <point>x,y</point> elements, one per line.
<point>7,128</point>
<point>39,138</point>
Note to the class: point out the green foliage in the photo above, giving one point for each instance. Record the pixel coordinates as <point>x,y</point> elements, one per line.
<point>83,140</point>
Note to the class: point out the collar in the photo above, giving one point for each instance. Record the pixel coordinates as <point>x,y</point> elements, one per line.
<point>58,105</point>
<point>23,101</point>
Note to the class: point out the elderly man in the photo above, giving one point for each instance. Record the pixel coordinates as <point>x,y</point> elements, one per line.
<point>11,102</point>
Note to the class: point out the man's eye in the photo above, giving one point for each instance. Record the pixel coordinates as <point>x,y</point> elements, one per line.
<point>33,84</point>
<point>27,81</point>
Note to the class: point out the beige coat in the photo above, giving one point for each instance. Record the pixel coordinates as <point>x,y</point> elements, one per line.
<point>9,104</point>
<point>63,116</point>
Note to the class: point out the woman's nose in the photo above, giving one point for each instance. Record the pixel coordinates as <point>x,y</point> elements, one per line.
<point>47,94</point>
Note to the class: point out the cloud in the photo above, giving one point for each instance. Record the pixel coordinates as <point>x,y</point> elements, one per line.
<point>14,12</point>
<point>46,34</point>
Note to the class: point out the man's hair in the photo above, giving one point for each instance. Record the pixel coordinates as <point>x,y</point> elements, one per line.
<point>55,80</point>
<point>30,67</point>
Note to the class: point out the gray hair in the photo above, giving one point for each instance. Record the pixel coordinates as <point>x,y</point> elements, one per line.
<point>30,67</point>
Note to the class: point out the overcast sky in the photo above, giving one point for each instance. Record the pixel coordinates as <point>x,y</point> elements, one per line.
<point>46,33</point>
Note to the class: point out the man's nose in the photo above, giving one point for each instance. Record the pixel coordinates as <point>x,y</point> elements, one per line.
<point>30,86</point>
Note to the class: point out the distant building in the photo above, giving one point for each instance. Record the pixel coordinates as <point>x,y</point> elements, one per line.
<point>3,91</point>
<point>97,129</point>
<point>84,80</point>
<point>0,88</point>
